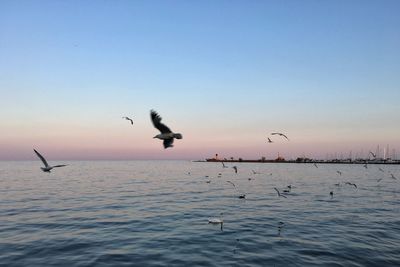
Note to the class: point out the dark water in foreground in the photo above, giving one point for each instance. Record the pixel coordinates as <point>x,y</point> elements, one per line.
<point>153,213</point>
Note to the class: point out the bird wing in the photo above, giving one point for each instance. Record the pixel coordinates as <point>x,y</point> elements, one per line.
<point>279,194</point>
<point>168,142</point>
<point>41,158</point>
<point>231,183</point>
<point>129,119</point>
<point>156,119</point>
<point>63,165</point>
<point>285,136</point>
<point>281,134</point>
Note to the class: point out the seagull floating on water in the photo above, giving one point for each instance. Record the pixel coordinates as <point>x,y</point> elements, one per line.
<point>166,134</point>
<point>217,221</point>
<point>129,119</point>
<point>381,169</point>
<point>280,134</point>
<point>47,167</point>
<point>242,196</point>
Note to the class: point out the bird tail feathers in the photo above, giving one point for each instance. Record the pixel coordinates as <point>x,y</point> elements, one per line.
<point>178,136</point>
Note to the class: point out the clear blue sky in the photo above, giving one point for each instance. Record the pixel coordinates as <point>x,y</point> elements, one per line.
<point>224,73</point>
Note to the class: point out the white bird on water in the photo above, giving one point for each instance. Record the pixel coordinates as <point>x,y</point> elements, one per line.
<point>217,221</point>
<point>47,167</point>
<point>166,134</point>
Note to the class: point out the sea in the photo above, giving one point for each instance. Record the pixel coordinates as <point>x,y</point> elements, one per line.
<point>156,213</point>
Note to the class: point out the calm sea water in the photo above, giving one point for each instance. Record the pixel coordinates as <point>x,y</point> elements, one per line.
<point>153,213</point>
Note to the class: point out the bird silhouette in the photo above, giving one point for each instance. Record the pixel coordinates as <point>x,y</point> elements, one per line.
<point>47,167</point>
<point>166,134</point>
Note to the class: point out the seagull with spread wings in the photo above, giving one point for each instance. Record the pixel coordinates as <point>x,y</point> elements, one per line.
<point>47,167</point>
<point>166,134</point>
<point>280,134</point>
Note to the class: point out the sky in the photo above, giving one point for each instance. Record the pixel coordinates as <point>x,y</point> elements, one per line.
<point>225,74</point>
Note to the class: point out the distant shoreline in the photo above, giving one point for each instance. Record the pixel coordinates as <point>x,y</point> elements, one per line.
<point>397,162</point>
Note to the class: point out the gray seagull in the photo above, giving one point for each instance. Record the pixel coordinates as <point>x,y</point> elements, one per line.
<point>47,167</point>
<point>166,134</point>
<point>269,140</point>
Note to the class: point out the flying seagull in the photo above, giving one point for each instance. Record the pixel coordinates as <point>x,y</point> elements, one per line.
<point>279,194</point>
<point>373,155</point>
<point>381,169</point>
<point>269,140</point>
<point>235,168</point>
<point>392,176</point>
<point>166,134</point>
<point>315,164</point>
<point>47,167</point>
<point>223,165</point>
<point>339,172</point>
<point>280,134</point>
<point>129,119</point>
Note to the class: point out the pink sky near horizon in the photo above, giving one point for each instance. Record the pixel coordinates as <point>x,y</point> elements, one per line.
<point>119,140</point>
